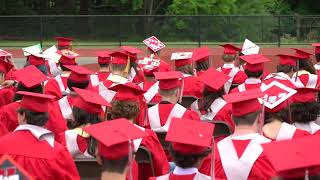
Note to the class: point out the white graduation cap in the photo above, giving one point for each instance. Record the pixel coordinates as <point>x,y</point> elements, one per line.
<point>34,50</point>
<point>154,43</point>
<point>51,54</point>
<point>181,55</point>
<point>249,48</point>
<point>275,93</point>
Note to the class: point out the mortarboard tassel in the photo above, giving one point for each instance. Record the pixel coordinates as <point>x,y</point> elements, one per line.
<point>212,161</point>
<point>130,157</point>
<point>306,175</point>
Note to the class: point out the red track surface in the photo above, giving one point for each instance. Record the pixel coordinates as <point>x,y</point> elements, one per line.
<point>166,53</point>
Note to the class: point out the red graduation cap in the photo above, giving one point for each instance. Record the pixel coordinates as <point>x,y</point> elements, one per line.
<point>78,73</point>
<point>307,86</point>
<point>132,52</point>
<point>63,41</point>
<point>301,54</point>
<point>29,76</point>
<point>127,92</point>
<point>181,58</point>
<point>5,66</point>
<point>245,102</point>
<point>213,79</point>
<point>149,70</point>
<point>35,60</point>
<point>291,158</point>
<point>190,137</point>
<point>201,54</point>
<point>35,101</point>
<point>114,137</point>
<point>317,48</point>
<point>119,57</point>
<point>103,57</point>
<point>68,57</point>
<point>230,49</point>
<point>169,80</point>
<point>287,59</point>
<point>255,62</point>
<point>90,101</point>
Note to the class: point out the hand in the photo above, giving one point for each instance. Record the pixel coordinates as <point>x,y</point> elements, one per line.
<point>7,83</point>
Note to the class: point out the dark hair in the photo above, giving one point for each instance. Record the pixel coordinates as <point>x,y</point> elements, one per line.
<point>104,64</point>
<point>317,57</point>
<point>118,67</point>
<point>202,65</point>
<point>34,118</point>
<point>285,68</point>
<point>82,85</point>
<point>247,119</point>
<point>306,64</point>
<point>117,166</point>
<point>168,92</point>
<point>187,69</point>
<point>228,57</point>
<point>282,115</point>
<point>253,74</point>
<point>304,112</point>
<point>208,98</point>
<point>124,109</point>
<point>63,68</point>
<point>187,161</point>
<point>21,87</point>
<point>82,117</point>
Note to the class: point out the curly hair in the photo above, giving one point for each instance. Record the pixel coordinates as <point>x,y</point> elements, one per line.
<point>306,65</point>
<point>304,112</point>
<point>282,115</point>
<point>124,109</point>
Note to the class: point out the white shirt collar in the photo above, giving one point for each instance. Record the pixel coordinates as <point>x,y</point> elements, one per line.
<point>228,66</point>
<point>38,132</point>
<point>252,81</point>
<point>184,171</point>
<point>256,137</point>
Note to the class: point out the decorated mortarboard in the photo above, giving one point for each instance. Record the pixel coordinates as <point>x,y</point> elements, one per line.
<point>307,85</point>
<point>230,49</point>
<point>29,76</point>
<point>249,48</point>
<point>285,59</point>
<point>63,41</point>
<point>154,44</point>
<point>35,101</point>
<point>213,79</point>
<point>89,101</point>
<point>78,73</point>
<point>149,65</point>
<point>51,54</point>
<point>104,57</point>
<point>244,103</point>
<point>255,62</point>
<point>4,53</point>
<point>114,136</point>
<point>127,91</point>
<point>317,48</point>
<point>301,54</point>
<point>294,158</point>
<point>200,54</point>
<point>275,95</point>
<point>5,66</point>
<point>11,170</point>
<point>68,57</point>
<point>35,50</point>
<point>190,137</point>
<point>181,58</point>
<point>169,80</point>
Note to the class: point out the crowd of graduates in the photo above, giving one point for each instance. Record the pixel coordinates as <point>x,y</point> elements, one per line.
<point>54,112</point>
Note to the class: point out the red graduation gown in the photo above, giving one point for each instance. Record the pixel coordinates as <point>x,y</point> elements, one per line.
<point>297,134</point>
<point>103,75</point>
<point>52,87</point>
<point>3,129</point>
<point>179,177</point>
<point>261,169</point>
<point>6,95</point>
<point>192,87</point>
<point>9,115</point>
<point>247,85</point>
<point>38,158</point>
<point>146,85</point>
<point>239,78</point>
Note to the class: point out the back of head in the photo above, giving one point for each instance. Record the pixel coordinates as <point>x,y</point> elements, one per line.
<point>304,112</point>
<point>202,65</point>
<point>115,166</point>
<point>208,98</point>
<point>247,120</point>
<point>228,58</point>
<point>186,69</point>
<point>21,87</point>
<point>124,109</point>
<point>285,68</point>
<point>307,66</point>
<point>250,74</point>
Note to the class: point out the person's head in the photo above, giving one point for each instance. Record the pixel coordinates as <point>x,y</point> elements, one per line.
<point>5,67</point>
<point>184,63</point>
<point>228,58</point>
<point>73,84</point>
<point>251,74</point>
<point>209,97</point>
<point>78,78</point>
<point>124,109</point>
<point>169,85</point>
<point>2,77</point>
<point>287,64</point>
<point>230,53</point>
<point>254,65</point>
<point>21,87</point>
<point>68,58</point>
<point>306,65</point>
<point>26,116</point>
<point>120,63</point>
<point>287,69</point>
<point>82,117</point>
<point>281,115</point>
<point>249,119</point>
<point>186,69</point>
<point>64,43</point>
<point>304,112</point>
<point>203,65</point>
<point>114,166</point>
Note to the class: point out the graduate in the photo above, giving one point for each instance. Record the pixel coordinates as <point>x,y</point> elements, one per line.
<point>125,104</point>
<point>160,115</point>
<point>237,76</point>
<point>240,155</point>
<point>189,145</point>
<point>104,60</point>
<point>151,85</point>
<point>317,57</point>
<point>114,151</point>
<point>254,69</point>
<point>64,43</point>
<point>86,110</point>
<point>304,63</point>
<point>35,57</point>
<point>201,59</point>
<point>29,79</point>
<point>212,106</point>
<point>37,151</point>
<point>57,86</point>
<point>6,93</point>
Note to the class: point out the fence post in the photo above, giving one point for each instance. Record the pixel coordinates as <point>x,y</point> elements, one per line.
<point>199,30</point>
<point>119,30</point>
<point>279,31</point>
<point>41,30</point>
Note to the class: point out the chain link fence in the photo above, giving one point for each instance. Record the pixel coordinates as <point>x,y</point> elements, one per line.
<point>102,30</point>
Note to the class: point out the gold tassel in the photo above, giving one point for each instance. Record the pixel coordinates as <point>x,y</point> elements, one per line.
<point>126,70</point>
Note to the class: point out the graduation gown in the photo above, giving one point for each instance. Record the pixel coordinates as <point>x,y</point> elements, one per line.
<point>57,86</point>
<point>135,77</point>
<point>52,68</point>
<point>43,159</point>
<point>96,78</point>
<point>281,78</point>
<point>253,165</point>
<point>287,132</point>
<point>160,115</point>
<point>220,111</point>
<point>152,95</point>
<point>160,162</point>
<point>9,115</point>
<point>192,87</point>
<point>6,95</point>
<point>250,83</point>
<point>311,127</point>
<point>185,174</point>
<point>238,76</point>
<point>3,129</point>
